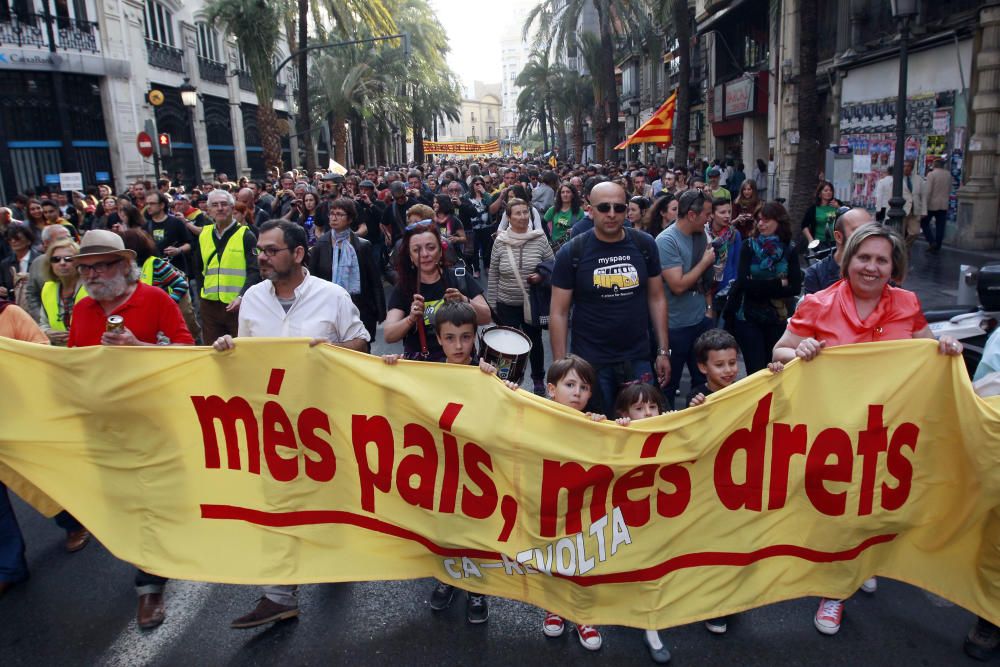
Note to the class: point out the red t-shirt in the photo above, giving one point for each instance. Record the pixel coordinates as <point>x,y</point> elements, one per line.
<point>831,315</point>
<point>148,311</point>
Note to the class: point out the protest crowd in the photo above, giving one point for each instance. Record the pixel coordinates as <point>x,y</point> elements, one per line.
<point>635,274</point>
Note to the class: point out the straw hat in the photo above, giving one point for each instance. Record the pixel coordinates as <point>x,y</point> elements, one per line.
<point>102,242</point>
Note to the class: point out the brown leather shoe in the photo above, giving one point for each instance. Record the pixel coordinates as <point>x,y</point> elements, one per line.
<point>77,540</point>
<point>265,612</point>
<point>151,612</point>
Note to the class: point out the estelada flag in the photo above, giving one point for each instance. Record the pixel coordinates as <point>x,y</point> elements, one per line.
<point>659,129</point>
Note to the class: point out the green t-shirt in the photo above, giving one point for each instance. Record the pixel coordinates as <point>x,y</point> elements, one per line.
<point>561,221</point>
<point>824,222</point>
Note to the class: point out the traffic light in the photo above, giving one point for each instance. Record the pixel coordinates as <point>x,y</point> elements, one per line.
<point>164,142</point>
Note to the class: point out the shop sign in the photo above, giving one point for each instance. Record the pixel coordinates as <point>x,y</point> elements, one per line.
<point>739,97</point>
<point>718,110</point>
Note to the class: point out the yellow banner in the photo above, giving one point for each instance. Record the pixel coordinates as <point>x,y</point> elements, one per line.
<point>281,463</point>
<point>461,147</point>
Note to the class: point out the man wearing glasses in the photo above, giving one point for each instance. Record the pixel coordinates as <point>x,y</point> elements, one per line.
<point>291,302</point>
<point>111,277</point>
<point>611,277</point>
<point>826,272</point>
<point>227,264</point>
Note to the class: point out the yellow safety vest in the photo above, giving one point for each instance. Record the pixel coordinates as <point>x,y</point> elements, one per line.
<point>147,270</point>
<point>225,275</point>
<point>50,302</point>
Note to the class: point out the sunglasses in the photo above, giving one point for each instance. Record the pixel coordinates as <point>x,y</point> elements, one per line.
<point>62,260</point>
<point>419,225</point>
<point>605,207</point>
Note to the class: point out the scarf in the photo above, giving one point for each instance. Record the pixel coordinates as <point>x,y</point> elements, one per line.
<point>728,238</point>
<point>346,270</point>
<point>515,240</point>
<point>768,257</point>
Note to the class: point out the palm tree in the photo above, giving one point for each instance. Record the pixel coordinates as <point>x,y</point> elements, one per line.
<point>672,18</point>
<point>531,114</point>
<point>347,17</point>
<point>574,100</point>
<point>595,57</point>
<point>256,26</point>
<point>807,155</point>
<point>557,24</point>
<point>536,80</point>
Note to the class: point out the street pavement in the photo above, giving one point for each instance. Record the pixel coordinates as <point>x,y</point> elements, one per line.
<point>78,609</point>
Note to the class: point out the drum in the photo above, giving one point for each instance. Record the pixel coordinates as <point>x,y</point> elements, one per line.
<point>507,349</point>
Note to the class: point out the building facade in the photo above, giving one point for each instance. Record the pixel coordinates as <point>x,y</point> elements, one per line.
<point>77,76</point>
<point>482,115</point>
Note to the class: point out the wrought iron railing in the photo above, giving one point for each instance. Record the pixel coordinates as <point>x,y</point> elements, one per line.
<point>30,30</point>
<point>211,70</point>
<point>164,57</point>
<point>246,81</point>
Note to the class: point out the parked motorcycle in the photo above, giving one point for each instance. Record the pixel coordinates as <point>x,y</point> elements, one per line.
<point>971,325</point>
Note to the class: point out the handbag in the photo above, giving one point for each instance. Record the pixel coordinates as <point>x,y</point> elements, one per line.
<point>526,305</point>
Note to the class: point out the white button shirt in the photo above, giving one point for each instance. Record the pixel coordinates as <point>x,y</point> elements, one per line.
<point>321,310</point>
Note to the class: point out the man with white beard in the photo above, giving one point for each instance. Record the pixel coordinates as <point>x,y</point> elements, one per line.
<point>148,317</point>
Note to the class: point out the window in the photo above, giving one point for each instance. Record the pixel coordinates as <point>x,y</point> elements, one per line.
<point>159,23</point>
<point>208,43</point>
<point>243,61</point>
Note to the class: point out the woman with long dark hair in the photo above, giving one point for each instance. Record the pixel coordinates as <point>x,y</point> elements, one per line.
<point>564,213</point>
<point>817,223</point>
<point>660,215</point>
<point>746,208</point>
<point>451,228</point>
<point>768,274</point>
<point>425,281</point>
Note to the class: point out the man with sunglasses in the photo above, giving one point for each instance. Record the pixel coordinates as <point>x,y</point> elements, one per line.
<point>826,272</point>
<point>610,275</point>
<point>111,278</point>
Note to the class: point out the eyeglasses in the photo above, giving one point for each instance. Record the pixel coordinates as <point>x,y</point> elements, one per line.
<point>270,251</point>
<point>99,267</point>
<point>605,207</point>
<point>62,260</point>
<point>417,225</point>
<point>338,214</point>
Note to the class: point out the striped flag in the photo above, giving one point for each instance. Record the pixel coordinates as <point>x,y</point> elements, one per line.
<point>659,129</point>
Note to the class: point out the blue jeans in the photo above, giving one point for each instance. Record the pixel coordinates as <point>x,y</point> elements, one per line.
<point>682,354</point>
<point>13,566</point>
<point>611,377</point>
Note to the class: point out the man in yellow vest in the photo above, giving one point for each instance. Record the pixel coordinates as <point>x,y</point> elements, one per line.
<point>227,260</point>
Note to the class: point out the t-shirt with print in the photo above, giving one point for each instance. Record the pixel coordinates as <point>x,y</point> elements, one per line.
<point>433,294</point>
<point>610,320</point>
<point>677,249</point>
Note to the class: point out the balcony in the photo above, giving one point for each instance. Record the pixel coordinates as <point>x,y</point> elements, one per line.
<point>211,70</point>
<point>31,30</point>
<point>164,57</point>
<point>246,81</point>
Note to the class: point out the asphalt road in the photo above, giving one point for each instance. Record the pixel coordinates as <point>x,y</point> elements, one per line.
<point>78,609</point>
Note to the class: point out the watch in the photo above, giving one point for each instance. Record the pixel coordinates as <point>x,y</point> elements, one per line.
<point>661,352</point>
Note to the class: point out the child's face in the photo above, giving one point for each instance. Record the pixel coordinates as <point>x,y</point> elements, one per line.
<point>643,410</point>
<point>457,342</point>
<point>571,391</point>
<point>721,368</point>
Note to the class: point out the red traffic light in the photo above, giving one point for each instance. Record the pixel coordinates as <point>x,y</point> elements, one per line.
<point>164,141</point>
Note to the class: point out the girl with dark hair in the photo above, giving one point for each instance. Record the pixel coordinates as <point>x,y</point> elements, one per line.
<point>746,208</point>
<point>817,223</point>
<point>308,215</point>
<point>660,215</point>
<point>768,274</point>
<point>636,214</point>
<point>425,281</point>
<point>14,268</point>
<point>35,217</point>
<point>564,213</point>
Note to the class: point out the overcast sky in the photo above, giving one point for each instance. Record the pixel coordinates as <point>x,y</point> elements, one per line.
<point>473,28</point>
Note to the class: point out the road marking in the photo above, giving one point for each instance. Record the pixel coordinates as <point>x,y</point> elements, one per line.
<point>135,647</point>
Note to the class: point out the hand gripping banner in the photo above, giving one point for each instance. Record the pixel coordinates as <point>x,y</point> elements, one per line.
<point>281,463</point>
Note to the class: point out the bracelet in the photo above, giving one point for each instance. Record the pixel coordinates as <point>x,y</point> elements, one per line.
<point>663,352</point>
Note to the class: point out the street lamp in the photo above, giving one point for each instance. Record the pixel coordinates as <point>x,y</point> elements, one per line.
<point>189,97</point>
<point>903,11</point>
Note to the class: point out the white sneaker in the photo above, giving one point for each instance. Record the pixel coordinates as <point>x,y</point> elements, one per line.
<point>590,637</point>
<point>870,585</point>
<point>827,619</point>
<point>553,625</point>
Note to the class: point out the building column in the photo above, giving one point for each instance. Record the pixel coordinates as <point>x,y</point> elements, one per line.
<point>235,112</point>
<point>979,199</point>
<point>189,39</point>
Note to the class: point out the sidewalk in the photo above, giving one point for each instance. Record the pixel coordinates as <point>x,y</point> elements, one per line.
<point>935,277</point>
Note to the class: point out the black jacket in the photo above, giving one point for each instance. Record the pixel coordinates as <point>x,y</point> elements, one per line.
<point>371,301</point>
